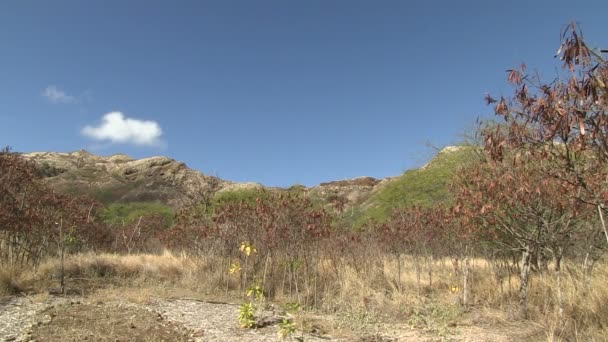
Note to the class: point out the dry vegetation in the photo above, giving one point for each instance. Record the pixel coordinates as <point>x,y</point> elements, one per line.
<point>430,298</point>
<point>515,248</point>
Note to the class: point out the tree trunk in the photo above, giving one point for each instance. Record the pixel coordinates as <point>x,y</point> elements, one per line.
<point>62,271</point>
<point>62,250</point>
<point>465,282</point>
<point>534,259</point>
<point>430,264</point>
<point>317,262</point>
<point>227,277</point>
<point>399,272</point>
<point>599,210</point>
<point>243,285</point>
<point>544,261</point>
<point>523,287</point>
<point>586,269</point>
<point>560,301</point>
<point>284,279</point>
<point>558,262</point>
<point>418,271</point>
<point>265,269</point>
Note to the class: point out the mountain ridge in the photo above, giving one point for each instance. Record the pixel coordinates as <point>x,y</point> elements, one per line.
<point>121,178</point>
<point>152,178</point>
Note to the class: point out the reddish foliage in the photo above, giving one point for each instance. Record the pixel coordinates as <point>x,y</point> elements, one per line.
<point>564,120</point>
<point>34,220</point>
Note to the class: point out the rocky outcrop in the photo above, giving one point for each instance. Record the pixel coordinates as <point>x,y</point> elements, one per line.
<point>355,191</point>
<point>247,186</point>
<point>122,178</point>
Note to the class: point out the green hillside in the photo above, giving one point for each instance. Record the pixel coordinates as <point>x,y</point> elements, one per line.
<point>127,213</point>
<point>423,186</point>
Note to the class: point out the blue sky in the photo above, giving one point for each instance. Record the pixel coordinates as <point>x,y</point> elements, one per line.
<point>278,92</point>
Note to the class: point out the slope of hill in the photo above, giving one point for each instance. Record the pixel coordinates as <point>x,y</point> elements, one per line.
<point>120,178</point>
<point>423,186</point>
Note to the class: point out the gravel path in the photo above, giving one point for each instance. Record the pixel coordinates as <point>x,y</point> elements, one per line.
<point>18,315</point>
<point>206,321</point>
<point>24,319</point>
<point>217,321</point>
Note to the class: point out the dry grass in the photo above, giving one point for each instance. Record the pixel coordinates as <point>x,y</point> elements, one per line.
<point>12,280</point>
<point>584,309</point>
<point>161,267</point>
<point>423,295</point>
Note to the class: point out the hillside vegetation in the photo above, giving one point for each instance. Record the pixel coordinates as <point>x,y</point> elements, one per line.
<point>122,182</point>
<point>128,213</point>
<point>508,234</point>
<point>120,178</point>
<point>426,186</point>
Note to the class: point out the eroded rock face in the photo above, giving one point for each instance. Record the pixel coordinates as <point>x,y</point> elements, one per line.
<point>122,178</point>
<point>229,186</point>
<point>355,191</point>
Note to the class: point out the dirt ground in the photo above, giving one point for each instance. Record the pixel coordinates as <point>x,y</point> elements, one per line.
<point>77,321</point>
<point>124,314</point>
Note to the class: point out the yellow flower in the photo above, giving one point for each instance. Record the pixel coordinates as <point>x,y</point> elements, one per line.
<point>247,248</point>
<point>234,268</point>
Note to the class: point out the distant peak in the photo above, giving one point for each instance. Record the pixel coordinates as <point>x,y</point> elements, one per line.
<point>359,181</point>
<point>448,149</point>
<point>83,152</point>
<point>120,158</point>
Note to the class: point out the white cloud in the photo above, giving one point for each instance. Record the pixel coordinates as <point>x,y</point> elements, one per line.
<point>56,95</point>
<point>118,129</point>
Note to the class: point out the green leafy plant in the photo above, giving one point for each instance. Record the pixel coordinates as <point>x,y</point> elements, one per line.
<point>254,293</point>
<point>292,307</point>
<point>247,315</point>
<point>248,309</point>
<point>286,328</point>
